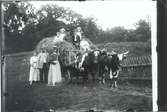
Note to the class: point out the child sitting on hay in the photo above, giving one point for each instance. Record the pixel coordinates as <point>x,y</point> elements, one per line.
<point>60,36</point>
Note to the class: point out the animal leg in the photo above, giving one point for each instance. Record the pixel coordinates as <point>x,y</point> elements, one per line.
<point>93,77</point>
<point>116,84</point>
<point>103,79</point>
<point>111,74</point>
<point>112,84</point>
<point>69,76</point>
<point>85,76</point>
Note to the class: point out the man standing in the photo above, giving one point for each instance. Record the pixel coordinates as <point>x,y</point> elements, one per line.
<point>43,65</point>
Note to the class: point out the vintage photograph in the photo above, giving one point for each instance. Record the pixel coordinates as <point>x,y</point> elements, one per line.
<point>69,56</point>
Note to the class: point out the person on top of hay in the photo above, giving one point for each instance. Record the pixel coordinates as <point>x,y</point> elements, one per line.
<point>60,36</point>
<point>56,38</point>
<point>78,33</point>
<point>84,45</point>
<point>43,65</point>
<point>34,71</point>
<point>54,75</point>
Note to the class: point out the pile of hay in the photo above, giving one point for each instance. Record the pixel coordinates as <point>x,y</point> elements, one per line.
<point>48,44</point>
<point>64,46</point>
<point>66,57</point>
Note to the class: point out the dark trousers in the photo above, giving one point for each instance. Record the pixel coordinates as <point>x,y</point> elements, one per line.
<point>44,73</point>
<point>77,45</point>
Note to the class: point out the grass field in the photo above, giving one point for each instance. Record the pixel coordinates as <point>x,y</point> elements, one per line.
<point>68,96</point>
<point>23,97</point>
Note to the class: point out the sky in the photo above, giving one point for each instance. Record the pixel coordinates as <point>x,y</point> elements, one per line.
<point>109,14</point>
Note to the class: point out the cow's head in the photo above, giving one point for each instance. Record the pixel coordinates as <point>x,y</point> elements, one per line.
<point>122,55</point>
<point>96,54</point>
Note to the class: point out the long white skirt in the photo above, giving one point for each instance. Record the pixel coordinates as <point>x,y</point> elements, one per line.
<point>54,75</point>
<point>34,74</point>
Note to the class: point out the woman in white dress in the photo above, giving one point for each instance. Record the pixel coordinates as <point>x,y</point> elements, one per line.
<point>54,75</point>
<point>34,71</point>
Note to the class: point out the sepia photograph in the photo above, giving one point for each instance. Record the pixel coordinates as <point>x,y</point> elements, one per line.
<point>70,56</point>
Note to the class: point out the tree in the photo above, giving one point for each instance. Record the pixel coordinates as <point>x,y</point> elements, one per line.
<point>142,31</point>
<point>91,29</point>
<point>24,27</point>
<point>16,16</point>
<point>119,34</point>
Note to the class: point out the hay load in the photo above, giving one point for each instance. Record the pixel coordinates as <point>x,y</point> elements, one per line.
<point>67,50</point>
<point>48,44</point>
<point>63,46</point>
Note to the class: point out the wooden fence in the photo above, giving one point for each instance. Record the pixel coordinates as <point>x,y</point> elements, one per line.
<point>137,68</point>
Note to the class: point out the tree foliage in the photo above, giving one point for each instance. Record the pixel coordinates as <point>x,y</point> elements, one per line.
<point>24,27</point>
<point>17,15</point>
<point>142,32</point>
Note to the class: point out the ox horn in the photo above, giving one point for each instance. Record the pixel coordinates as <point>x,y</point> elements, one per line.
<point>126,52</point>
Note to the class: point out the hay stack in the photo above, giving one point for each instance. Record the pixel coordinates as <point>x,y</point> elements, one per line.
<point>63,46</point>
<point>48,44</point>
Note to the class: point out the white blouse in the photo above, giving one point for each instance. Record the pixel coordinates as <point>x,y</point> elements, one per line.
<point>34,61</point>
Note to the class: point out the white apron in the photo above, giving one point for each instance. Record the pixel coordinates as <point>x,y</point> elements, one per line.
<point>54,75</point>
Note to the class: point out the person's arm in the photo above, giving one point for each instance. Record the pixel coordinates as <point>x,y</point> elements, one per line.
<point>47,57</point>
<point>31,61</point>
<point>39,57</point>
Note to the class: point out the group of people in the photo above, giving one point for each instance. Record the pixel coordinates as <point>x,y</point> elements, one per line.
<point>45,67</point>
<point>78,41</point>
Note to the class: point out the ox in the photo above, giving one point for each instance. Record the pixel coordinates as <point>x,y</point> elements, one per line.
<point>90,63</point>
<point>110,64</point>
